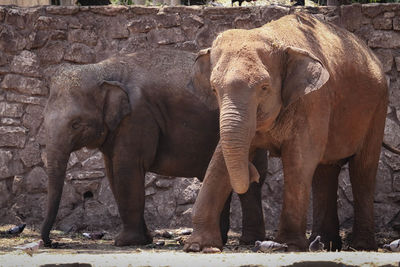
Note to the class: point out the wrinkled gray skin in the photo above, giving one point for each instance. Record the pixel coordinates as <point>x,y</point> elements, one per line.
<point>136,110</point>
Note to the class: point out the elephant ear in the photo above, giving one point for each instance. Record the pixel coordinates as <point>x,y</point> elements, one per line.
<point>200,82</point>
<point>305,73</point>
<point>116,103</point>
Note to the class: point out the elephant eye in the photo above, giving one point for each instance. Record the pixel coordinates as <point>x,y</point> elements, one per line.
<point>76,124</point>
<point>264,87</point>
<point>214,91</point>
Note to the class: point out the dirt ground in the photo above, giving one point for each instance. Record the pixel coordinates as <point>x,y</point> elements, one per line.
<point>76,250</point>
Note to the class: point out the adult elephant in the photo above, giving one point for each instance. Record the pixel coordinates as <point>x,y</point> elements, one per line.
<point>137,111</point>
<point>311,93</point>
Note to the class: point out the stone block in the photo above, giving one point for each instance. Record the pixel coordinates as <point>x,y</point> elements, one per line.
<point>80,53</point>
<point>167,36</point>
<point>386,57</point>
<point>50,23</point>
<point>62,10</point>
<point>5,195</point>
<point>391,132</point>
<point>87,37</point>
<point>396,24</point>
<point>372,10</point>
<point>24,85</point>
<point>384,39</point>
<point>397,60</point>
<point>168,20</point>
<point>270,13</point>
<point>142,25</point>
<point>109,10</point>
<point>6,157</point>
<point>351,17</point>
<point>10,39</point>
<point>52,53</point>
<point>94,162</point>
<point>36,181</point>
<point>34,100</point>
<point>164,183</point>
<point>31,155</point>
<point>26,63</point>
<point>33,118</point>
<point>38,39</point>
<point>13,110</point>
<point>82,175</point>
<point>382,23</point>
<point>10,121</point>
<point>383,183</point>
<point>12,136</point>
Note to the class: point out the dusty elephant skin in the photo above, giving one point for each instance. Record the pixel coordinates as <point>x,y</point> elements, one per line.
<point>136,110</point>
<point>311,93</point>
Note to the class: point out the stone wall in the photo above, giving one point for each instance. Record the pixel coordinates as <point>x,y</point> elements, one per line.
<point>34,41</point>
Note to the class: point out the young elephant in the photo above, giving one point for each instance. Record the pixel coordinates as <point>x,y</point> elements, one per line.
<point>136,110</point>
<point>311,93</point>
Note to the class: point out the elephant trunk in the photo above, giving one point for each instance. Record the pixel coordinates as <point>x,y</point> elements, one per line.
<point>237,129</point>
<point>57,160</point>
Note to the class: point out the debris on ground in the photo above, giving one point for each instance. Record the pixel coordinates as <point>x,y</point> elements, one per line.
<point>269,246</point>
<point>393,246</point>
<point>316,245</point>
<point>30,248</point>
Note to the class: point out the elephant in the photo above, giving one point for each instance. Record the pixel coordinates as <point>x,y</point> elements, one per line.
<point>309,92</point>
<point>136,110</point>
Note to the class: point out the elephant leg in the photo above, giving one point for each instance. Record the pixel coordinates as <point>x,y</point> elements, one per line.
<point>209,204</point>
<point>324,197</point>
<point>299,163</point>
<point>363,167</point>
<point>224,221</point>
<point>253,226</point>
<point>128,184</point>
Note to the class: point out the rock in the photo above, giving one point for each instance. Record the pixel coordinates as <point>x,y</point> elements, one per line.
<point>384,39</point>
<point>30,155</point>
<point>94,162</point>
<point>396,182</point>
<point>149,179</point>
<point>5,192</point>
<point>25,85</point>
<point>34,100</point>
<point>397,59</point>
<point>149,191</point>
<point>106,197</point>
<point>13,110</point>
<point>10,121</point>
<point>52,53</point>
<point>73,161</point>
<point>36,181</point>
<point>81,175</point>
<point>167,36</point>
<point>269,13</point>
<point>141,25</point>
<point>87,37</point>
<point>33,118</point>
<point>164,183</point>
<point>382,23</point>
<point>26,63</point>
<point>12,136</point>
<point>11,40</point>
<point>80,53</point>
<point>351,17</point>
<point>50,23</point>
<point>5,159</point>
<point>391,132</point>
<point>187,190</point>
<point>396,24</point>
<point>386,57</point>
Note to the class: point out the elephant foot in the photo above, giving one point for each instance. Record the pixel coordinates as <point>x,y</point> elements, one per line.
<point>295,243</point>
<point>132,238</point>
<point>367,244</point>
<point>204,241</point>
<point>249,238</point>
<point>331,242</point>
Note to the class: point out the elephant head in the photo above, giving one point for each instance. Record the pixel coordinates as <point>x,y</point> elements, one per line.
<point>83,107</point>
<point>254,79</point>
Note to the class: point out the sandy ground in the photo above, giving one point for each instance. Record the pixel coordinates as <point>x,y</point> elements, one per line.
<point>76,250</point>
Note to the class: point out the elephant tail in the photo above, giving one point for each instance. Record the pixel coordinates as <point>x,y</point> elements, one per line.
<point>390,148</point>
